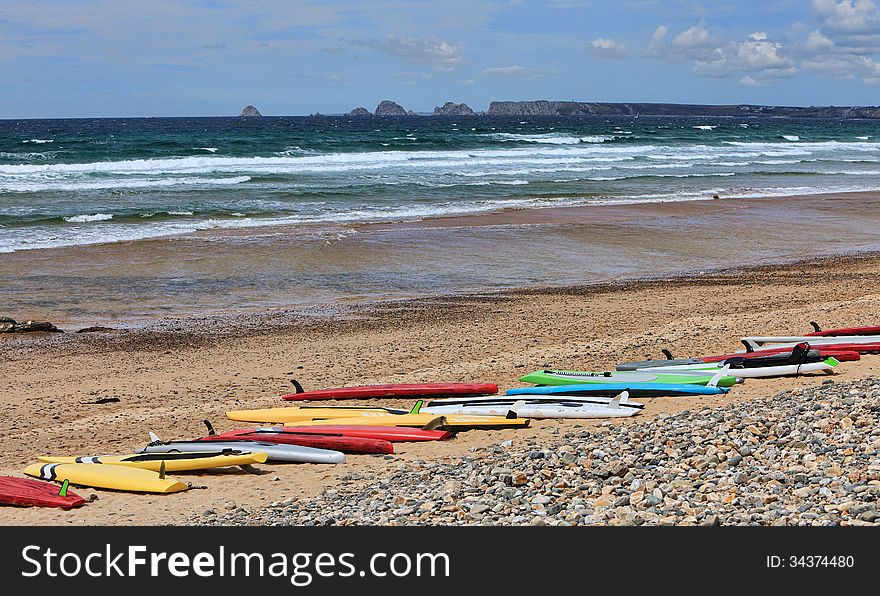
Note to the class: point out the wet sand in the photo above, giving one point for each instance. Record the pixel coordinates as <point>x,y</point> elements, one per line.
<point>262,269</point>
<point>171,374</point>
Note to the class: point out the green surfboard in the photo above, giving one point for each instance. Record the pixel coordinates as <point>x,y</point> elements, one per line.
<point>579,377</point>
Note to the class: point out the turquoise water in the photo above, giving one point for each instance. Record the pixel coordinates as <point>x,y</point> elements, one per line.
<point>77,182</point>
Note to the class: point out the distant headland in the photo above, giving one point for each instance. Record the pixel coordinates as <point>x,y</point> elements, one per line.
<point>545,107</point>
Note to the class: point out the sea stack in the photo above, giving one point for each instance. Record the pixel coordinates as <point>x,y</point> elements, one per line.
<point>389,108</point>
<point>250,111</point>
<point>359,112</point>
<point>453,109</point>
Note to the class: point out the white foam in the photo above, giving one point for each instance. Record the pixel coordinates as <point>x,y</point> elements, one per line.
<point>180,212</point>
<point>209,149</point>
<point>62,185</point>
<point>39,141</point>
<point>791,137</point>
<point>89,218</point>
<point>705,127</point>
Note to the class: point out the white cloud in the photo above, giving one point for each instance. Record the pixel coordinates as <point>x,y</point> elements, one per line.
<point>694,43</point>
<point>764,59</point>
<point>757,60</point>
<point>749,81</point>
<point>847,38</point>
<point>603,47</point>
<point>507,71</point>
<point>434,52</point>
<point>848,16</point>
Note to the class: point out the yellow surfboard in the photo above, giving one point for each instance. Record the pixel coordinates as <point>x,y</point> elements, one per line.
<point>430,421</point>
<point>293,414</point>
<point>111,477</point>
<point>174,462</point>
<point>363,417</point>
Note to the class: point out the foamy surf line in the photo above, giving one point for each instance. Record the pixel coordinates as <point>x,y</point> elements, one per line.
<point>98,228</point>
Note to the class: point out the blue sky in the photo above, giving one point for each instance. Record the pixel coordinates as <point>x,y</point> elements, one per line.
<point>211,57</point>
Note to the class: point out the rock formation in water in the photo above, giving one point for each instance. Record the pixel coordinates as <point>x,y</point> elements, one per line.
<point>8,325</point>
<point>453,109</point>
<point>578,108</point>
<point>250,111</point>
<point>359,112</point>
<point>389,108</point>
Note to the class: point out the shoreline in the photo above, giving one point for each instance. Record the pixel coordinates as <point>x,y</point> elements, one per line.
<point>256,322</point>
<point>618,229</point>
<point>169,380</point>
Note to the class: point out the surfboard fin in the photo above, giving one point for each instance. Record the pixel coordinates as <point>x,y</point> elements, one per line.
<point>417,407</point>
<point>512,413</point>
<point>154,438</point>
<point>297,386</point>
<point>435,423</point>
<point>815,326</point>
<point>64,485</point>
<point>716,378</point>
<point>162,470</point>
<point>668,354</point>
<point>748,345</point>
<point>211,431</point>
<point>615,403</point>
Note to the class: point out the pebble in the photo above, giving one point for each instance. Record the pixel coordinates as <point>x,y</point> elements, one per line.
<point>801,457</point>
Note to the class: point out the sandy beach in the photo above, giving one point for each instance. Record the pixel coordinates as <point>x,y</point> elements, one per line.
<point>173,373</point>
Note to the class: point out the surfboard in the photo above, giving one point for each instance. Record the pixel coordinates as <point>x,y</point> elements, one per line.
<point>612,389</point>
<point>274,452</point>
<point>400,390</point>
<point>578,377</point>
<point>392,434</point>
<point>764,371</point>
<point>819,332</point>
<point>430,421</point>
<point>770,356</point>
<point>173,462</point>
<point>542,406</point>
<point>26,492</point>
<point>122,478</point>
<point>334,442</point>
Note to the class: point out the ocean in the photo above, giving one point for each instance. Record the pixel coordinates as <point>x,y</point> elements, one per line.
<point>70,182</point>
<point>274,211</point>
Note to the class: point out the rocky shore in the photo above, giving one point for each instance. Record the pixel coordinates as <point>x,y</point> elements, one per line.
<point>800,457</point>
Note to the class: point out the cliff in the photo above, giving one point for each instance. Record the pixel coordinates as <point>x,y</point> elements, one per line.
<point>453,109</point>
<point>577,108</point>
<point>250,111</point>
<point>389,108</point>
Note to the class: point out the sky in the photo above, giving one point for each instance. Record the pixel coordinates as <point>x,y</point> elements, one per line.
<point>114,58</point>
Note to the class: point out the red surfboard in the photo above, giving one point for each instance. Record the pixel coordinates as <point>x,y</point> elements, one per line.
<point>334,441</point>
<point>871,330</point>
<point>392,391</point>
<point>27,492</point>
<point>394,434</point>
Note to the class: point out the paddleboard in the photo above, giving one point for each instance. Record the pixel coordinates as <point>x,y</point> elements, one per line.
<point>869,330</point>
<point>173,462</point>
<point>392,434</point>
<point>26,492</point>
<point>275,452</point>
<point>123,478</point>
<point>334,442</point>
<point>612,389</point>
<point>414,390</point>
<point>429,421</point>
<point>578,377</point>
<point>543,406</point>
<point>764,371</point>
<point>824,344</point>
<point>290,414</point>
